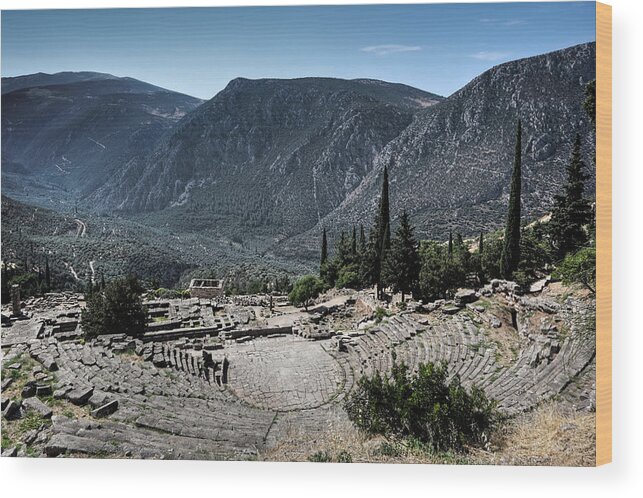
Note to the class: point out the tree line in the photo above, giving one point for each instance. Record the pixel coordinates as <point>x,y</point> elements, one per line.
<point>431,269</point>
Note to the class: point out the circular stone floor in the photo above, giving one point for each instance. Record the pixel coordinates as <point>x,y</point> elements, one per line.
<point>283,374</point>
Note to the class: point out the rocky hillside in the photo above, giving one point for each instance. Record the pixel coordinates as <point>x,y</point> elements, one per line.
<point>266,163</point>
<point>450,167</point>
<point>269,153</point>
<point>64,137</point>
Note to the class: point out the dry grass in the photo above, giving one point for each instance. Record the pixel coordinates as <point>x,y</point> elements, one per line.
<point>341,437</point>
<point>547,436</point>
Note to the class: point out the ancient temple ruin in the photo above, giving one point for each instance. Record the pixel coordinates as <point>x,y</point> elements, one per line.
<point>206,288</point>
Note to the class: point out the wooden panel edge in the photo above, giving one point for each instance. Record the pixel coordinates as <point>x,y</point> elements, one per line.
<point>603,233</point>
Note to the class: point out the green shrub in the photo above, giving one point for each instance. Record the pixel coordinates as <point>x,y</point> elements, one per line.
<point>424,407</point>
<point>305,290</point>
<point>380,314</point>
<point>320,457</point>
<point>116,309</point>
<point>344,457</point>
<point>348,278</point>
<point>579,268</point>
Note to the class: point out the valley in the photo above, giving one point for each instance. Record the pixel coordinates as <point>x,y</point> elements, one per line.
<point>262,167</point>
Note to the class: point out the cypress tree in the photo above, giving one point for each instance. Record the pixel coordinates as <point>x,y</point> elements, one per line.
<point>47,273</point>
<point>481,243</point>
<point>362,240</point>
<point>354,243</point>
<point>511,247</point>
<point>401,268</point>
<point>368,261</point>
<point>5,282</point>
<point>343,251</point>
<point>382,234</point>
<point>571,210</point>
<point>450,246</point>
<point>324,252</point>
<point>384,215</point>
<point>459,243</point>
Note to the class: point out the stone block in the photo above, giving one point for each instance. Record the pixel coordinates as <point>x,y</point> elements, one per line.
<point>38,406</point>
<point>80,395</point>
<point>29,390</point>
<point>12,410</point>
<point>43,390</point>
<point>106,409</point>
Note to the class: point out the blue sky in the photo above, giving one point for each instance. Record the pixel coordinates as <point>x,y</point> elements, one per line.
<point>435,47</point>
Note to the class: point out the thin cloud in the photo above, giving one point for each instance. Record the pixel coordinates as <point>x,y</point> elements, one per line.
<point>503,22</point>
<point>390,49</point>
<point>490,56</point>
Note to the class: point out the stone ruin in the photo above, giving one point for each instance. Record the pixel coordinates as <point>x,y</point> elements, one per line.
<point>206,288</point>
<point>229,377</point>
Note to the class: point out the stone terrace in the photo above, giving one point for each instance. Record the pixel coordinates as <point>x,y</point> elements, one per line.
<point>228,381</point>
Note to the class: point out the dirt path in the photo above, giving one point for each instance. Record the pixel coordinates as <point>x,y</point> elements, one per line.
<point>82,228</point>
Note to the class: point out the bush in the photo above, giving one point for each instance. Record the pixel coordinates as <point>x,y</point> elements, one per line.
<point>380,314</point>
<point>163,293</point>
<point>320,457</point>
<point>344,457</point>
<point>115,309</point>
<point>305,290</point>
<point>348,278</point>
<point>424,407</point>
<point>579,268</point>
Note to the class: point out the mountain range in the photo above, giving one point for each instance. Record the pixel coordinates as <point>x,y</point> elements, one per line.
<point>267,163</point>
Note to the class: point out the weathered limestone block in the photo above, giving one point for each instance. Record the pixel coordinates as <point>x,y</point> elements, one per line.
<point>80,396</point>
<point>12,410</point>
<point>29,390</point>
<point>450,310</point>
<point>62,443</point>
<point>62,392</point>
<point>38,406</point>
<point>49,363</point>
<point>106,409</point>
<point>465,296</point>
<point>43,390</point>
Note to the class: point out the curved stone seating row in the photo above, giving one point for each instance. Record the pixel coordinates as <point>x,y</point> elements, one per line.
<point>161,413</point>
<point>469,354</point>
<point>199,364</point>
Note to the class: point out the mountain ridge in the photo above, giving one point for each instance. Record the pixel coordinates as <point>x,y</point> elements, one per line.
<point>269,162</point>
<point>60,140</point>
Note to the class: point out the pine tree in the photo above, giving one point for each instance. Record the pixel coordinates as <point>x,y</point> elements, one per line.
<point>511,246</point>
<point>589,104</point>
<point>401,267</point>
<point>324,253</point>
<point>571,210</point>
